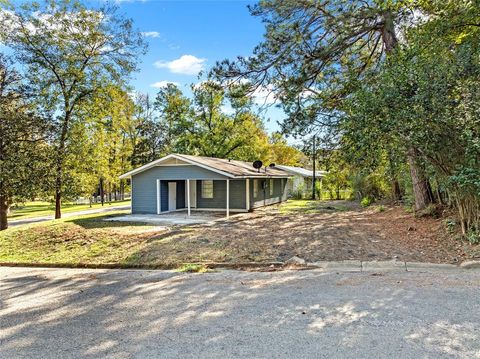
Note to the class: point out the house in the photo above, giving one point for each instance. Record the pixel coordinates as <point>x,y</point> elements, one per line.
<point>300,182</point>
<point>184,182</point>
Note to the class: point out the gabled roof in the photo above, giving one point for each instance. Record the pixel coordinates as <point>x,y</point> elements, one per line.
<point>301,171</point>
<point>228,168</point>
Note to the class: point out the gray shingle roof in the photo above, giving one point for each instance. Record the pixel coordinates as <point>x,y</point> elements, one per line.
<point>229,168</point>
<point>236,168</point>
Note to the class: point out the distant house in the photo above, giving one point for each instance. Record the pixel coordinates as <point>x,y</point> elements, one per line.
<point>301,179</point>
<point>185,182</point>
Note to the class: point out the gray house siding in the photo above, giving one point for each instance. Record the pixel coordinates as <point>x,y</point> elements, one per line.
<point>144,189</point>
<point>237,195</point>
<point>144,185</point>
<point>263,197</point>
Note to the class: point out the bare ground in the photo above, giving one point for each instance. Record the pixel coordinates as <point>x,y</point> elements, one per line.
<point>335,231</point>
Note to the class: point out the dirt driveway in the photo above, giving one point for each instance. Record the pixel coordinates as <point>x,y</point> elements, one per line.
<point>324,231</point>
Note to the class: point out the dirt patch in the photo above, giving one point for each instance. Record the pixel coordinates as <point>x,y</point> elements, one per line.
<point>313,231</point>
<point>348,233</point>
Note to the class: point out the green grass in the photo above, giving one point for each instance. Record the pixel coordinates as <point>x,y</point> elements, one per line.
<point>42,208</point>
<point>309,206</point>
<point>193,268</point>
<point>74,240</point>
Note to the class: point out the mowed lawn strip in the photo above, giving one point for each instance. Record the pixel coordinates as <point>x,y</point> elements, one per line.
<point>42,208</point>
<point>315,231</point>
<point>75,240</point>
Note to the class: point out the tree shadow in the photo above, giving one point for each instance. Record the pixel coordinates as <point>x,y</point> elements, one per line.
<point>151,313</point>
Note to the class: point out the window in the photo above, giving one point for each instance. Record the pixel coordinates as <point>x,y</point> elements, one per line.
<point>207,189</point>
<point>271,187</point>
<point>255,188</point>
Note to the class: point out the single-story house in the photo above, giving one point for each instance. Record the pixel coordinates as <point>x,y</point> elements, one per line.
<point>184,182</point>
<point>301,179</point>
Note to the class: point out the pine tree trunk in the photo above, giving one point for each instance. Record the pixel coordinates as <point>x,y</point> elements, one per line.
<point>3,212</point>
<point>421,187</point>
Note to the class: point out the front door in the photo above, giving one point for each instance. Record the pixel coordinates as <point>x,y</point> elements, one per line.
<point>172,196</point>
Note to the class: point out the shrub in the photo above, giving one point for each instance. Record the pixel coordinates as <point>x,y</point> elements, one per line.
<point>473,237</point>
<point>450,224</point>
<point>366,201</point>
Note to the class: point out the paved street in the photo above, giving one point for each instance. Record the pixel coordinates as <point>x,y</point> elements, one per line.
<point>71,313</point>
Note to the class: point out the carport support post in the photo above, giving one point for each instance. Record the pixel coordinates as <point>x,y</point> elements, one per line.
<point>228,198</point>
<point>158,197</point>
<point>247,199</point>
<point>188,196</point>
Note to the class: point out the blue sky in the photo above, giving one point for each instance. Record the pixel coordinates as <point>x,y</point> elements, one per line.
<point>185,36</point>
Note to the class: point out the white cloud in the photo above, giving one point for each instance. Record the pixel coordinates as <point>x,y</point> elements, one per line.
<point>186,65</point>
<point>264,95</point>
<point>153,34</point>
<point>162,84</point>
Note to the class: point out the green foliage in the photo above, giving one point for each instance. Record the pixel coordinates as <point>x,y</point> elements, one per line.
<point>299,192</point>
<point>366,201</point>
<point>473,237</point>
<point>372,185</point>
<point>193,268</point>
<point>450,223</point>
<point>69,52</point>
<point>380,208</point>
<point>24,137</point>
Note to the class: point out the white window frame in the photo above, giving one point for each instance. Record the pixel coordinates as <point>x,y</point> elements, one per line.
<point>207,185</point>
<point>255,188</point>
<point>272,181</point>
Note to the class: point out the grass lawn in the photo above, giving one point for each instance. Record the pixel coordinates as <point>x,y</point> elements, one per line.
<point>74,240</point>
<point>309,206</point>
<point>41,208</point>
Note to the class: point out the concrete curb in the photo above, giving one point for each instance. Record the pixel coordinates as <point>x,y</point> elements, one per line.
<point>334,266</point>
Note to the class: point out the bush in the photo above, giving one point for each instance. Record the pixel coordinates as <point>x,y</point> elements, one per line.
<point>366,201</point>
<point>450,224</point>
<point>371,186</point>
<point>473,237</point>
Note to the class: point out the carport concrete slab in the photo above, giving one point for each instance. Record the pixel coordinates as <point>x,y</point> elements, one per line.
<point>384,266</point>
<point>170,219</point>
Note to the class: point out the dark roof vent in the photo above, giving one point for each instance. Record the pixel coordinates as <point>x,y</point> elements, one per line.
<point>271,165</point>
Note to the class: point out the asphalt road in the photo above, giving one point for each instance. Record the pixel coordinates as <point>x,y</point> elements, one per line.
<point>58,313</point>
<point>107,208</point>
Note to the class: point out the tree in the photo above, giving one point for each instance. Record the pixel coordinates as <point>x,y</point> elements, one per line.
<point>283,154</point>
<point>208,130</point>
<point>70,51</point>
<point>23,143</point>
<point>426,98</point>
<point>312,52</point>
<point>99,149</point>
<point>172,108</point>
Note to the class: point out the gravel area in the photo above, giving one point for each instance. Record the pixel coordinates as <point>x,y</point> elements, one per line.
<point>67,313</point>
